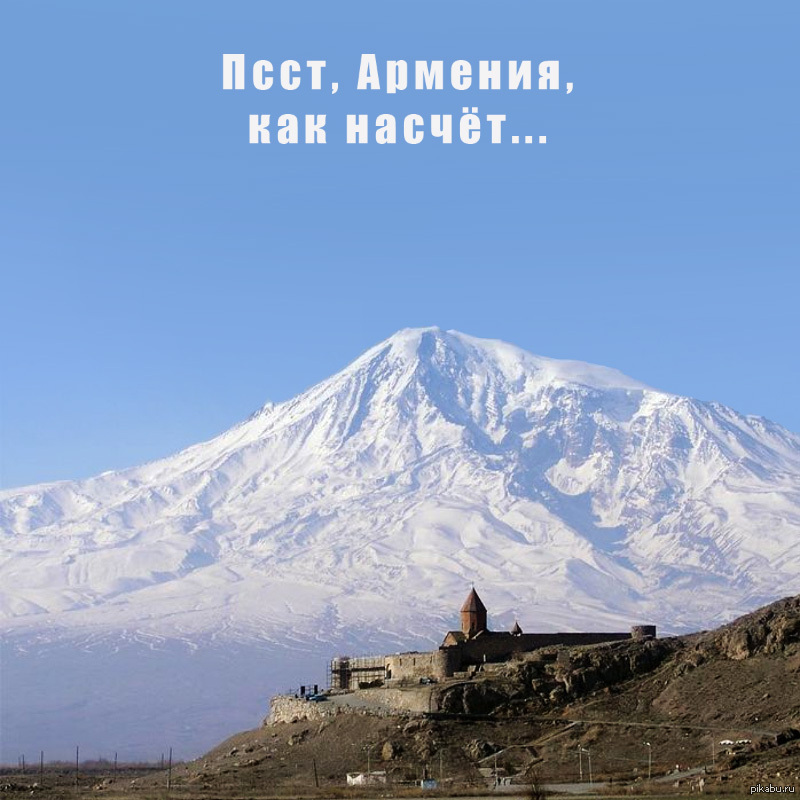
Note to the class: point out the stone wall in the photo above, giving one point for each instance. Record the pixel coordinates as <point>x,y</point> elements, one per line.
<point>412,666</point>
<point>287,708</point>
<point>640,632</point>
<point>381,701</point>
<point>489,647</point>
<point>417,700</point>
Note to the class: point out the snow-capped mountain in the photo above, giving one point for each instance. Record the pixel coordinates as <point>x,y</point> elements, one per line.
<point>355,516</point>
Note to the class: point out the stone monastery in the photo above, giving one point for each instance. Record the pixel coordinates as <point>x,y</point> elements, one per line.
<point>461,652</point>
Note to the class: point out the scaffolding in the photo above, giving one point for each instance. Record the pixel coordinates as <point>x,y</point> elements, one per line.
<point>357,673</point>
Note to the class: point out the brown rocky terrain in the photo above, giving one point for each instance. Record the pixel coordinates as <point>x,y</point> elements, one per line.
<point>664,706</point>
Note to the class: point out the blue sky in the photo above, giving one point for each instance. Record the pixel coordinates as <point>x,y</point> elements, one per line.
<point>162,278</point>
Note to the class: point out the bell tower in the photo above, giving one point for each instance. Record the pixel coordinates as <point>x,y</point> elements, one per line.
<point>473,615</point>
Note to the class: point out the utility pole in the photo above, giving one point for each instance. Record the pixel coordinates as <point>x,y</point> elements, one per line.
<point>589,757</point>
<point>649,759</point>
<point>368,747</point>
<point>77,755</point>
<point>169,773</point>
<point>580,762</point>
<point>316,779</point>
<point>41,765</point>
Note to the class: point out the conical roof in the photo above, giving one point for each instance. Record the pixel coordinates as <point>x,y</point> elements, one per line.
<point>473,602</point>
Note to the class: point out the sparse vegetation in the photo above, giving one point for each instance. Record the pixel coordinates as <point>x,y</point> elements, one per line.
<point>536,789</point>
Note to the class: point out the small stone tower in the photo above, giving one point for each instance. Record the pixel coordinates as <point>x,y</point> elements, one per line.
<point>473,615</point>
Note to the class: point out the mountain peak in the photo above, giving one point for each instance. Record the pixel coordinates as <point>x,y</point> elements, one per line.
<point>436,345</point>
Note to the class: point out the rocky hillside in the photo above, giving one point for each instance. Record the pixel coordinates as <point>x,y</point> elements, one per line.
<point>548,679</point>
<point>679,701</point>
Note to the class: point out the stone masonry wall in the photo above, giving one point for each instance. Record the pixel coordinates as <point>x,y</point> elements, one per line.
<point>377,702</point>
<point>496,647</point>
<point>405,666</point>
<point>287,708</point>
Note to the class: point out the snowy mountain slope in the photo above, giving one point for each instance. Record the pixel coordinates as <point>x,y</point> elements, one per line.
<point>358,512</point>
